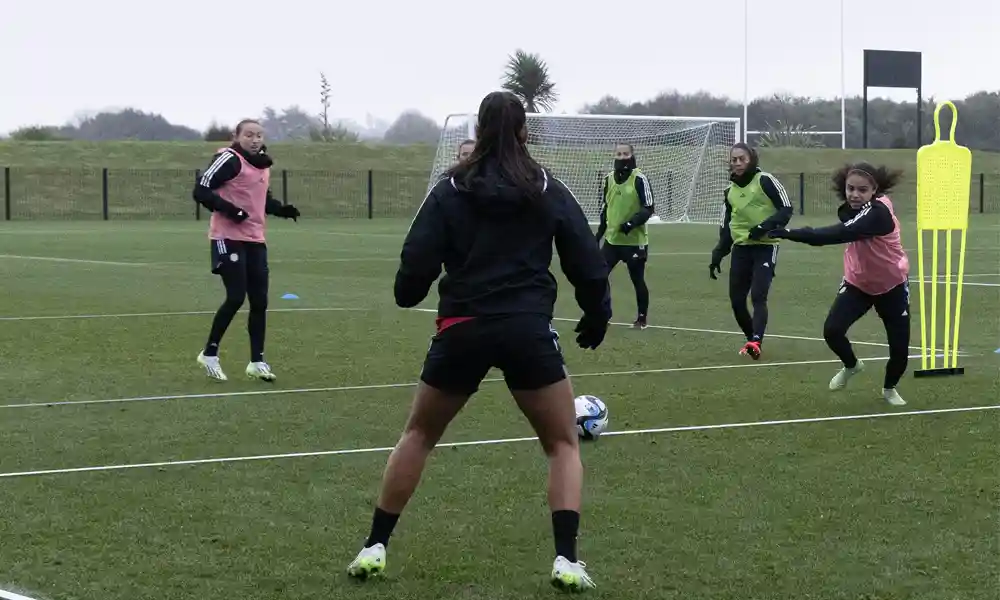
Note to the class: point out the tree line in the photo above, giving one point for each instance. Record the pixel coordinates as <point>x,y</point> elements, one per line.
<point>785,120</point>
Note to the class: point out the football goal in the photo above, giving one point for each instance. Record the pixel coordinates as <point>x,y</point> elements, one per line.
<point>685,159</point>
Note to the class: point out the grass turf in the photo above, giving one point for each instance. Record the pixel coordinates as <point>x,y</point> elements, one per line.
<point>152,180</point>
<point>889,508</point>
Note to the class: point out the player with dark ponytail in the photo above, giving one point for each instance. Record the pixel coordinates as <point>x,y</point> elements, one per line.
<point>491,222</point>
<point>876,271</point>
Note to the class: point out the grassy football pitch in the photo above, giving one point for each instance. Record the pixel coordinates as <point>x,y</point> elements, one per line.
<point>126,474</point>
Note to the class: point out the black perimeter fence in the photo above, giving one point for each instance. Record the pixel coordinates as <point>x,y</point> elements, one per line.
<point>163,194</point>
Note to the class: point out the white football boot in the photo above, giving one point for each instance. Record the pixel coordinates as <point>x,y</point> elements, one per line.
<point>212,367</point>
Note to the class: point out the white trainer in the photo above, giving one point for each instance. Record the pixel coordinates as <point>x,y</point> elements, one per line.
<point>892,397</point>
<point>370,562</point>
<point>840,380</point>
<point>260,370</point>
<point>571,576</point>
<point>212,367</point>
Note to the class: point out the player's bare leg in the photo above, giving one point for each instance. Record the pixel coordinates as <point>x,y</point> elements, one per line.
<point>430,415</point>
<point>552,415</point>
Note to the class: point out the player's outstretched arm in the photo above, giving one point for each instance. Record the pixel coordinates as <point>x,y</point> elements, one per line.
<point>422,254</point>
<point>579,257</point>
<point>873,220</point>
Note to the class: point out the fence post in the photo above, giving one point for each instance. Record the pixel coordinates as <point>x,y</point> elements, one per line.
<point>982,192</point>
<point>197,205</point>
<point>104,193</point>
<point>371,195</point>
<point>6,193</point>
<point>284,186</point>
<point>802,193</point>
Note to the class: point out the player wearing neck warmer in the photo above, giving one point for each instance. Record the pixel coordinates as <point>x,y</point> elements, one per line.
<point>754,203</point>
<point>626,206</point>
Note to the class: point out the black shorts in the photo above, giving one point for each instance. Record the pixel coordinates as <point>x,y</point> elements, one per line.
<point>524,347</point>
<point>627,254</point>
<point>249,257</point>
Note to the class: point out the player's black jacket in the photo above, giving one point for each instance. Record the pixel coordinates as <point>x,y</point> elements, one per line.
<point>496,248</point>
<point>870,220</point>
<point>224,167</point>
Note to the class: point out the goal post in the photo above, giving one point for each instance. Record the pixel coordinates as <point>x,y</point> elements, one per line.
<point>685,159</point>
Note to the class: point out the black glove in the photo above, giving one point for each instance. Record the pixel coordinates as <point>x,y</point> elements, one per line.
<point>758,232</point>
<point>626,227</point>
<point>777,233</point>
<point>590,332</point>
<point>716,264</point>
<point>234,212</point>
<point>288,211</point>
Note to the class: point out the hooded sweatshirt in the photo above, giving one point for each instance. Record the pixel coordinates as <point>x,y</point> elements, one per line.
<point>495,245</point>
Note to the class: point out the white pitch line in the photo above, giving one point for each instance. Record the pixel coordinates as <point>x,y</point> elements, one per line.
<point>12,596</point>
<point>383,449</point>
<point>76,260</point>
<point>171,314</point>
<point>386,386</point>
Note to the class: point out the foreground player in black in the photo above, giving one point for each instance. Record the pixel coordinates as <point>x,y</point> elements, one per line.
<point>491,222</point>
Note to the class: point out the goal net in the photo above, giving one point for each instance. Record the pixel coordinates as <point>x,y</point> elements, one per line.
<point>685,159</point>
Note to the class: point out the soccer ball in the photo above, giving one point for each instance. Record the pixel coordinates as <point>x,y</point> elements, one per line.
<point>591,417</point>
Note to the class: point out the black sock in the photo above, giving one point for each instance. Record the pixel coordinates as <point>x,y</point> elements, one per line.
<point>382,525</point>
<point>565,525</point>
<point>211,349</point>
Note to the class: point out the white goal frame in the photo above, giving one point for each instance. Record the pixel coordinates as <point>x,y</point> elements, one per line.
<point>687,179</point>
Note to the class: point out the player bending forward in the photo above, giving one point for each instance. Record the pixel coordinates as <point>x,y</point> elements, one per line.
<point>491,221</point>
<point>235,188</point>
<point>755,203</point>
<point>876,271</point>
<point>626,205</point>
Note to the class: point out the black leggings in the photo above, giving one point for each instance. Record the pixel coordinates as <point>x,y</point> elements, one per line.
<point>751,271</point>
<point>245,275</point>
<point>634,258</point>
<point>893,307</point>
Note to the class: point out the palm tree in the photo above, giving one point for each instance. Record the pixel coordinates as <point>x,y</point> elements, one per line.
<point>527,77</point>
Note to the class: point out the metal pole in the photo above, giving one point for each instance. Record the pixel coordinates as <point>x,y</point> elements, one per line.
<point>746,67</point>
<point>843,84</point>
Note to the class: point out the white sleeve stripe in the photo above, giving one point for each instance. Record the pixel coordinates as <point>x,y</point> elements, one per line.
<point>206,178</point>
<point>857,217</point>
<point>781,192</point>
<point>571,194</point>
<point>648,189</point>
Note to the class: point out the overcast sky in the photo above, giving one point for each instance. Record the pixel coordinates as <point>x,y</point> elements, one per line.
<point>198,61</point>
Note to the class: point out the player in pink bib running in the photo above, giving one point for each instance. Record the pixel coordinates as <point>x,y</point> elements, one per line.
<point>876,271</point>
<point>235,188</point>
